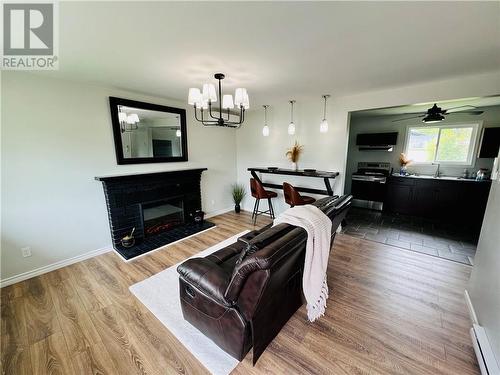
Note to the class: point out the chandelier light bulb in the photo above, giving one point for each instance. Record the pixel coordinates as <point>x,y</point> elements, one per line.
<point>194,96</point>
<point>227,102</point>
<point>209,92</point>
<point>240,96</point>
<point>135,117</point>
<point>122,116</point>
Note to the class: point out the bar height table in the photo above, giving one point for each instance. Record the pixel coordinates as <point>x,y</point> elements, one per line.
<point>326,176</point>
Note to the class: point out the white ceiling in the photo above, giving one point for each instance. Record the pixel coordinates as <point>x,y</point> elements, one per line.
<point>276,50</point>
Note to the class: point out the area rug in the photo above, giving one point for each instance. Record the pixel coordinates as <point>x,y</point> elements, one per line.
<point>160,294</point>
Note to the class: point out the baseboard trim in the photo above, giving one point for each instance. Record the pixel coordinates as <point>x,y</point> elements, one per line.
<point>472,312</point>
<point>218,212</point>
<point>66,262</point>
<point>52,267</point>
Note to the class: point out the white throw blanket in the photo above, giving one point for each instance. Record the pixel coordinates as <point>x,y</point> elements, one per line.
<point>319,228</point>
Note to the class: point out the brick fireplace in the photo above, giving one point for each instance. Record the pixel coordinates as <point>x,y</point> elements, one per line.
<point>160,206</point>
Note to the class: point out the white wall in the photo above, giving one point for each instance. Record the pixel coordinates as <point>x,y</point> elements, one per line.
<point>484,283</point>
<point>328,151</point>
<point>56,136</point>
<point>381,124</point>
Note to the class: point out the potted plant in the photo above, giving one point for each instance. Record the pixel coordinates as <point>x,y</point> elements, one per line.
<point>293,154</point>
<point>239,193</point>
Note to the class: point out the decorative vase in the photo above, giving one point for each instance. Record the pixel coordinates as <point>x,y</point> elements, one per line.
<point>295,166</point>
<point>403,171</point>
<point>237,208</point>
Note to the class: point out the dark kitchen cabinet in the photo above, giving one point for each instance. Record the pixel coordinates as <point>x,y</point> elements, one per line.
<point>461,202</point>
<point>490,142</point>
<point>399,196</point>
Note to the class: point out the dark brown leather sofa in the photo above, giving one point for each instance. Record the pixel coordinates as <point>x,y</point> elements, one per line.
<point>242,295</point>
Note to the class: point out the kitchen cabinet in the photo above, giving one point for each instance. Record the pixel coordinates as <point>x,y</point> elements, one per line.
<point>490,142</point>
<point>457,201</point>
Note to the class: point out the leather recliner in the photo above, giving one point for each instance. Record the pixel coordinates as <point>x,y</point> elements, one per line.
<point>242,295</point>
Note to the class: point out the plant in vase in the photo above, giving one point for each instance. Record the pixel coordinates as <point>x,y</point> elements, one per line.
<point>293,154</point>
<point>404,162</point>
<point>238,192</point>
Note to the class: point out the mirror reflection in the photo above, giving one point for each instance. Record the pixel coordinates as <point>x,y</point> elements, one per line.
<point>146,133</point>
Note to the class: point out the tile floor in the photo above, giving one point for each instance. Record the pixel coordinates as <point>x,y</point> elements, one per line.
<point>412,233</point>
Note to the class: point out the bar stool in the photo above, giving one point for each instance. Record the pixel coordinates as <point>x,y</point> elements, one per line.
<point>259,193</point>
<point>293,198</point>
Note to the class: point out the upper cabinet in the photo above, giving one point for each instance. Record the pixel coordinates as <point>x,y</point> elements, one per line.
<point>490,143</point>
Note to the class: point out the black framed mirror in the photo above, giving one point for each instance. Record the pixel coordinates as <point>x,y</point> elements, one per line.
<point>148,133</point>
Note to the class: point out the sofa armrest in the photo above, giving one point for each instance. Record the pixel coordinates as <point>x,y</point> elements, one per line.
<point>206,276</point>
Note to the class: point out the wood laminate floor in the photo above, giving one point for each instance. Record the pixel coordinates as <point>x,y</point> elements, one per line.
<point>389,312</point>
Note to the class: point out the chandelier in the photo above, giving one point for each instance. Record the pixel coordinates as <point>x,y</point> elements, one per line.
<point>128,123</point>
<point>203,100</point>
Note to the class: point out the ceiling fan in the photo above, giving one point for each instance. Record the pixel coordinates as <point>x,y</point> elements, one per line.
<point>437,114</point>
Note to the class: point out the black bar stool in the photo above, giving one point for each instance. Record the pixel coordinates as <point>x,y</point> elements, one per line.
<point>258,192</point>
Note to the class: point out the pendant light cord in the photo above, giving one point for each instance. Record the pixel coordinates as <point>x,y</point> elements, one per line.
<point>291,110</point>
<point>326,96</point>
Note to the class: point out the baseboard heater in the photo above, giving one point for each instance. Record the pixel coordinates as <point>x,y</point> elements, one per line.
<point>485,356</point>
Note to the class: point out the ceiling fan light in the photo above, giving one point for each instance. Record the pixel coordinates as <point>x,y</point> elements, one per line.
<point>433,118</point>
<point>323,127</point>
<point>227,102</point>
<point>265,131</point>
<point>194,96</point>
<point>291,128</point>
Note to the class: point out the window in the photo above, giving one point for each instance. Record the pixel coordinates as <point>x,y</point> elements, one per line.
<point>446,144</point>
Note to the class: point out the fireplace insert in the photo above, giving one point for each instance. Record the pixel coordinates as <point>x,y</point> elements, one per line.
<point>162,215</point>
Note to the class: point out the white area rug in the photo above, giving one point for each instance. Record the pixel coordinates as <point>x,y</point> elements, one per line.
<point>160,294</point>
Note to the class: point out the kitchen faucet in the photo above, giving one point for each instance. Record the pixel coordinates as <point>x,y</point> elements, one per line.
<point>437,173</point>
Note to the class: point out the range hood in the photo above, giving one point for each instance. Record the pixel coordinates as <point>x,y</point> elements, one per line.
<point>376,141</point>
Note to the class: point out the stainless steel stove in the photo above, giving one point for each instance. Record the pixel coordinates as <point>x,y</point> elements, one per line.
<point>369,185</point>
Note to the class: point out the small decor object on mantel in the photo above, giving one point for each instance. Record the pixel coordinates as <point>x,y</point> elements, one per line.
<point>404,161</point>
<point>293,154</point>
<point>239,193</point>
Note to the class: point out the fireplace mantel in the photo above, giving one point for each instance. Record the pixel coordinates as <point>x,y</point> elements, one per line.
<point>128,194</point>
<point>148,174</point>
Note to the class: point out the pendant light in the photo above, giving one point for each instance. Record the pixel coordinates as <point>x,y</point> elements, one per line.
<point>265,129</point>
<point>323,127</point>
<point>291,127</point>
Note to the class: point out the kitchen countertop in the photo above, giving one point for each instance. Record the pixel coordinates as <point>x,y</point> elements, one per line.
<point>445,178</point>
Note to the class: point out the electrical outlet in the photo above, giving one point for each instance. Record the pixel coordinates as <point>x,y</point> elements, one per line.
<point>26,251</point>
